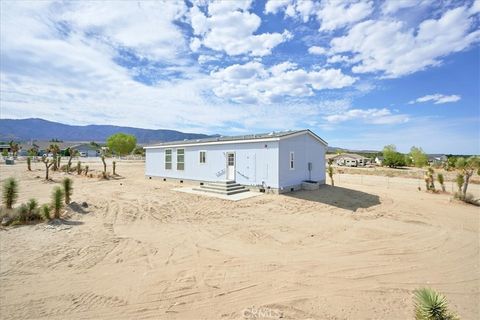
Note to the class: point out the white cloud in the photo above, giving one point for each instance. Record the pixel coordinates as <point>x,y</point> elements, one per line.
<point>73,78</point>
<point>331,14</point>
<point>229,26</point>
<point>386,46</point>
<point>371,116</point>
<point>475,8</point>
<point>336,14</point>
<point>294,9</point>
<point>253,83</point>
<point>392,6</point>
<point>437,98</point>
<point>130,24</point>
<point>317,50</point>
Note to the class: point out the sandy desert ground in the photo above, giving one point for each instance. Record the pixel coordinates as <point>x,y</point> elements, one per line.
<point>141,250</point>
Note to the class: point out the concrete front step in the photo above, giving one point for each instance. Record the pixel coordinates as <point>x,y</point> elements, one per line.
<point>222,188</point>
<point>228,193</point>
<point>220,185</point>
<point>228,187</point>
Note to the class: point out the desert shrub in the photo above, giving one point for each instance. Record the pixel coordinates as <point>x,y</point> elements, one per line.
<point>430,305</point>
<point>10,192</point>
<point>86,170</point>
<point>45,211</point>
<point>32,205</point>
<point>27,212</point>
<point>57,201</point>
<point>22,212</point>
<point>460,180</point>
<point>79,167</point>
<point>29,163</point>
<point>441,181</point>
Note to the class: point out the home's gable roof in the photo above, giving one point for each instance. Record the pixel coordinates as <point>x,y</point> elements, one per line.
<point>272,136</point>
<point>350,155</point>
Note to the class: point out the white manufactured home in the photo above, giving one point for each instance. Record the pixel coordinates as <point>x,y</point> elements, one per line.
<point>277,161</point>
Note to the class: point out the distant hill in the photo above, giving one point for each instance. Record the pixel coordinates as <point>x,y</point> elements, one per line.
<point>39,129</point>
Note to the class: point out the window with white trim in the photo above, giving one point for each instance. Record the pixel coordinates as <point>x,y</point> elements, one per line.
<point>203,156</point>
<point>168,159</point>
<point>292,160</point>
<point>180,159</point>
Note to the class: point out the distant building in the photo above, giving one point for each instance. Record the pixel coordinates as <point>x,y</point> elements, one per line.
<point>379,160</point>
<point>85,149</point>
<point>437,159</point>
<point>350,160</point>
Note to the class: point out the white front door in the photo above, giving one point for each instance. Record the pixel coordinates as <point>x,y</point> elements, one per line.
<point>230,166</point>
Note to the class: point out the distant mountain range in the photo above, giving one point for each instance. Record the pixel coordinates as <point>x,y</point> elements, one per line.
<point>44,130</point>
<point>39,129</point>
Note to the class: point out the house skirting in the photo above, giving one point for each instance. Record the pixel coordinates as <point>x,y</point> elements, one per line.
<point>291,188</point>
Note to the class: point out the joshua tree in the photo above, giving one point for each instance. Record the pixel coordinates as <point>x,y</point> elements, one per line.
<point>430,305</point>
<point>468,167</point>
<point>114,165</point>
<point>441,181</point>
<point>427,181</point>
<point>59,160</point>
<point>86,170</point>
<point>33,151</point>
<point>29,163</point>
<point>79,167</point>
<point>10,192</point>
<point>45,209</point>
<point>460,181</point>
<point>14,147</point>
<point>55,150</point>
<point>72,153</point>
<point>330,172</point>
<point>431,179</point>
<point>57,201</point>
<point>67,189</point>
<point>104,167</point>
<point>48,164</point>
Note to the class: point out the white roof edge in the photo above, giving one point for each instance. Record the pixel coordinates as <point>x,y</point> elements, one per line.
<point>307,131</point>
<point>211,143</point>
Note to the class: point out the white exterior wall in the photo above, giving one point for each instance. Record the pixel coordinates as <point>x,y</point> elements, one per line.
<point>306,149</point>
<point>255,164</point>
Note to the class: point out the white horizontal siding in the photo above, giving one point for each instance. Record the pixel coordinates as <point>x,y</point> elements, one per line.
<point>306,149</point>
<point>256,163</point>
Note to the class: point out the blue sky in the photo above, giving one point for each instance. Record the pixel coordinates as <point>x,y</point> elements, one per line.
<point>361,74</point>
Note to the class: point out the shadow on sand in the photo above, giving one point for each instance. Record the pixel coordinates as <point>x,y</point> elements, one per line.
<point>65,222</point>
<point>338,197</point>
<point>77,208</point>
